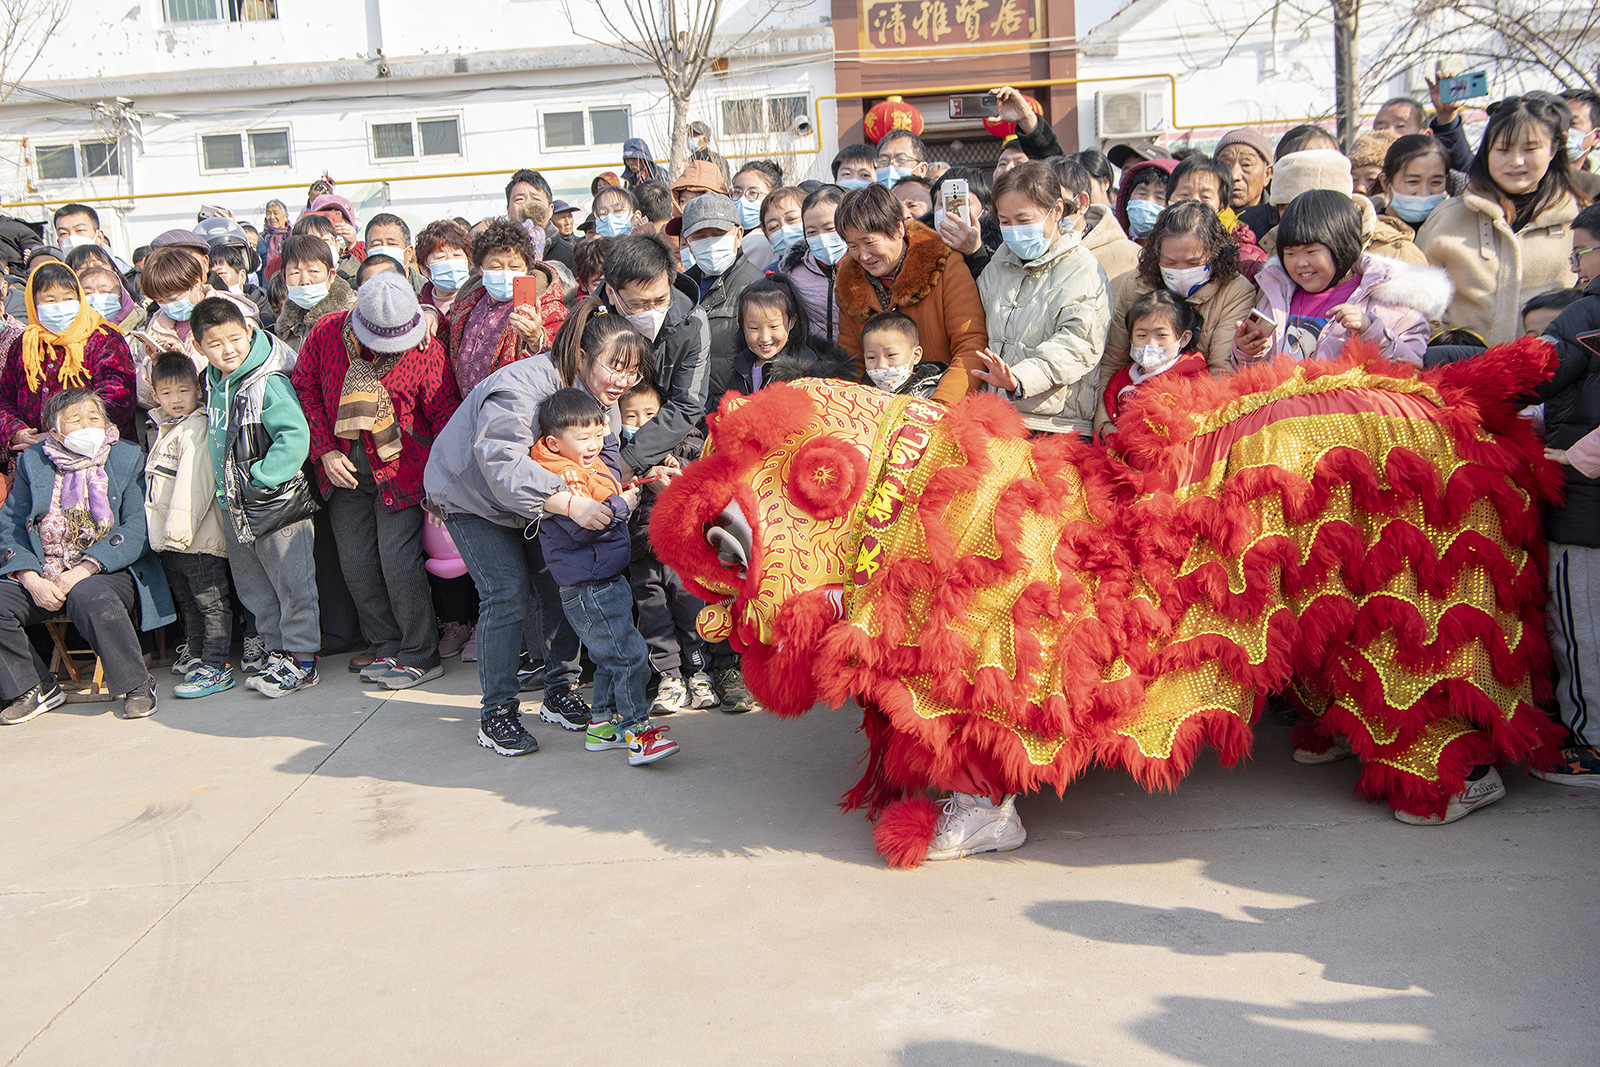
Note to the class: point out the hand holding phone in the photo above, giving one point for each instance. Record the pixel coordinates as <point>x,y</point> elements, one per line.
<point>975,106</point>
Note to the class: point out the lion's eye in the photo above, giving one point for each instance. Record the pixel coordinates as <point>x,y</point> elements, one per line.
<point>827,476</point>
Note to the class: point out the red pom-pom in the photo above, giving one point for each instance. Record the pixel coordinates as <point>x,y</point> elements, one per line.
<point>905,830</point>
<point>826,477</point>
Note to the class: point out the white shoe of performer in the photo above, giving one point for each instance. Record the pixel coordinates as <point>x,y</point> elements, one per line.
<point>972,824</point>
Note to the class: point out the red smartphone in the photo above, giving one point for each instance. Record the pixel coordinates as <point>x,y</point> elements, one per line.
<point>525,290</point>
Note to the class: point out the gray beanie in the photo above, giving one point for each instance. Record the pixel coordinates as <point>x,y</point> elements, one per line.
<point>387,317</point>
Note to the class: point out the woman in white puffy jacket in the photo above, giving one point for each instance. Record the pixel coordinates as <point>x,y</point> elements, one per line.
<point>1046,304</point>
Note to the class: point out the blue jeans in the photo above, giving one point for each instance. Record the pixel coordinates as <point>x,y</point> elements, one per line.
<point>602,613</point>
<point>507,567</point>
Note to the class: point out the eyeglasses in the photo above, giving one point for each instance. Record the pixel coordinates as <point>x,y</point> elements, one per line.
<point>1579,252</point>
<point>755,192</point>
<point>897,161</point>
<point>629,308</point>
<point>620,375</point>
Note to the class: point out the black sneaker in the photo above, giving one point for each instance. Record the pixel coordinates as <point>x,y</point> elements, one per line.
<point>502,731</point>
<point>530,674</point>
<point>35,702</point>
<point>564,708</point>
<point>140,702</point>
<point>736,699</point>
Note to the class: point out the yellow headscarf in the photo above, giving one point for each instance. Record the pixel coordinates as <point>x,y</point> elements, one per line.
<point>36,339</point>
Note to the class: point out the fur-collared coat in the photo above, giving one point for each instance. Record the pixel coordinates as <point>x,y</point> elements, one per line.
<point>936,290</point>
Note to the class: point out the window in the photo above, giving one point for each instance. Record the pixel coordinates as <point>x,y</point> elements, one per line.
<point>563,129</point>
<point>741,117</point>
<point>100,159</point>
<point>269,148</point>
<point>222,151</point>
<point>57,162</point>
<point>782,111</point>
<point>221,10</point>
<point>610,125</point>
<point>414,138</point>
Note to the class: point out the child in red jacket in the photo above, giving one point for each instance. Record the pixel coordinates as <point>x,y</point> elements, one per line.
<point>1161,331</point>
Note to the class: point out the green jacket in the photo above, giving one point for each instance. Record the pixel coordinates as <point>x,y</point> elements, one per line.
<point>279,415</point>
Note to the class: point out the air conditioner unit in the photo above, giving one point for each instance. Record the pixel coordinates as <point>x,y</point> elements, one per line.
<point>1123,113</point>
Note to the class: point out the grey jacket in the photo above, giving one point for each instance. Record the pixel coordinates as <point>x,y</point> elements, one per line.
<point>1047,319</point>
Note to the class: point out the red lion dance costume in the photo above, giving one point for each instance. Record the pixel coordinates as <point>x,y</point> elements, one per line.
<point>1008,609</point>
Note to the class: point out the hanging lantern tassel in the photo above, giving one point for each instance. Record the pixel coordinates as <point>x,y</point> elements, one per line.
<point>1003,129</point>
<point>891,114</point>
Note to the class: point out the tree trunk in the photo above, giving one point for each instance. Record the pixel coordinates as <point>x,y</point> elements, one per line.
<point>680,136</point>
<point>1347,90</point>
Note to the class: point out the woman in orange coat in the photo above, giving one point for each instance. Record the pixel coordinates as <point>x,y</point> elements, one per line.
<point>893,264</point>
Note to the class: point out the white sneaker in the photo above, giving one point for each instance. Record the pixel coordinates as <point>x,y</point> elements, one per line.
<point>967,828</point>
<point>701,693</point>
<point>1479,794</point>
<point>1338,750</point>
<point>671,696</point>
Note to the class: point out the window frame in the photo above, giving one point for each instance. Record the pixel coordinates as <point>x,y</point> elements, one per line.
<point>71,146</point>
<point>763,113</point>
<point>415,119</point>
<point>228,13</point>
<point>81,172</point>
<point>246,156</point>
<point>586,112</point>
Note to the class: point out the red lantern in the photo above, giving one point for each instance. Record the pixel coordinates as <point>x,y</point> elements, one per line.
<point>891,114</point>
<point>1003,129</point>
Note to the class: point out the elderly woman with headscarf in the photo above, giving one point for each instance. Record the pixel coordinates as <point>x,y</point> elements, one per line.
<point>66,344</point>
<point>73,543</point>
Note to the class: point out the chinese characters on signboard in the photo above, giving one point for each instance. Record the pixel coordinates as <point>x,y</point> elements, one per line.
<point>895,24</point>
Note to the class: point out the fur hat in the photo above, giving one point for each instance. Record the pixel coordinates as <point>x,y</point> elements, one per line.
<point>1316,168</point>
<point>1370,148</point>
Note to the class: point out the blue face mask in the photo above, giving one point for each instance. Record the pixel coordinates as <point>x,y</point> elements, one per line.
<point>889,175</point>
<point>1415,209</point>
<point>627,432</point>
<point>853,183</point>
<point>1142,215</point>
<point>498,283</point>
<point>786,237</point>
<point>615,224</point>
<point>308,296</point>
<point>749,213</point>
<point>107,304</point>
<point>179,310</point>
<point>1028,241</point>
<point>826,247</point>
<point>57,315</point>
<point>449,274</point>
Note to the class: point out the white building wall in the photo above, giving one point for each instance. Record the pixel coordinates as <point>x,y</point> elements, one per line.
<point>499,68</point>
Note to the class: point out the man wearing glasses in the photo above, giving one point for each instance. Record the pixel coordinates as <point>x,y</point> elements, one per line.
<point>901,155</point>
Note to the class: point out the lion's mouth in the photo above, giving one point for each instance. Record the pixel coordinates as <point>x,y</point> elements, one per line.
<point>731,535</point>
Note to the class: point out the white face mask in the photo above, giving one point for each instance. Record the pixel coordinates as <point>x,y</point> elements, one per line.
<point>1187,281</point>
<point>889,378</point>
<point>685,257</point>
<point>85,442</point>
<point>75,240</point>
<point>396,254</point>
<point>648,322</point>
<point>716,254</point>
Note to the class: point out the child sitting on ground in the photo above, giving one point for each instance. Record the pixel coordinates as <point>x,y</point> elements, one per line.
<point>185,526</point>
<point>576,444</point>
<point>1161,333</point>
<point>666,610</point>
<point>891,349</point>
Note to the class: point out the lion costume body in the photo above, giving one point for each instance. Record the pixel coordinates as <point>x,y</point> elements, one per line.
<point>1008,609</point>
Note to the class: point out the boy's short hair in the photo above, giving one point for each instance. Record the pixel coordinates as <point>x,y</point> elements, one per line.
<point>172,366</point>
<point>140,254</point>
<point>66,211</point>
<point>231,255</point>
<point>567,409</point>
<point>389,219</point>
<point>1588,219</point>
<point>318,225</point>
<point>212,312</point>
<point>654,200</point>
<point>854,153</point>
<point>641,389</point>
<point>589,257</point>
<point>374,264</point>
<point>1553,300</point>
<point>528,177</point>
<point>895,322</point>
<point>304,248</point>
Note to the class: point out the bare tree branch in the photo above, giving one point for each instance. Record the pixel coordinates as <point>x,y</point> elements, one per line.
<point>25,27</point>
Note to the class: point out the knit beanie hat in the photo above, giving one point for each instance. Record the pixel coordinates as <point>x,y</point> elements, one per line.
<point>387,317</point>
<point>1316,168</point>
<point>1370,148</point>
<point>1246,135</point>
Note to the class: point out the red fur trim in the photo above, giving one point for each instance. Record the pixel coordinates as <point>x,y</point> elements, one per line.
<point>827,476</point>
<point>905,830</point>
<point>747,428</point>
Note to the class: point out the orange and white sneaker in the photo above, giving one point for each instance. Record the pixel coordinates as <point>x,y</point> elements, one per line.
<point>646,745</point>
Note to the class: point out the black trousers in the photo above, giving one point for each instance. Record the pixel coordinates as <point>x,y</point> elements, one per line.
<point>667,615</point>
<point>383,561</point>
<point>102,607</point>
<point>199,584</point>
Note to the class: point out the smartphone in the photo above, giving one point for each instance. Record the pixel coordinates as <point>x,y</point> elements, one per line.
<point>1264,321</point>
<point>953,198</point>
<point>1464,87</point>
<point>525,290</point>
<point>975,106</point>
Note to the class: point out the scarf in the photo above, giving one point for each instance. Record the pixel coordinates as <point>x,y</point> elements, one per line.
<point>481,338</point>
<point>884,287</point>
<point>37,342</point>
<point>591,480</point>
<point>364,402</point>
<point>80,506</point>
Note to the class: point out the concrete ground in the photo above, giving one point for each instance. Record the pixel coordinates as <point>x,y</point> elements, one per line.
<point>343,878</point>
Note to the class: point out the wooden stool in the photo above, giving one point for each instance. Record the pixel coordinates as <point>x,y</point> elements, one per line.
<point>57,628</point>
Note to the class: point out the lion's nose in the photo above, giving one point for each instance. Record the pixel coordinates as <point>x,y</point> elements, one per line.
<point>730,534</point>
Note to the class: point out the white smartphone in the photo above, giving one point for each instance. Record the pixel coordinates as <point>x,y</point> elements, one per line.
<point>1264,321</point>
<point>953,196</point>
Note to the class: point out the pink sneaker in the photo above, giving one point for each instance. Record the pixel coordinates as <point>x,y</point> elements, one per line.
<point>453,637</point>
<point>469,651</point>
